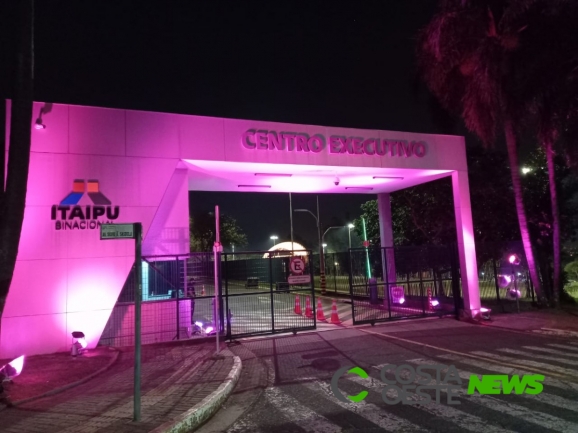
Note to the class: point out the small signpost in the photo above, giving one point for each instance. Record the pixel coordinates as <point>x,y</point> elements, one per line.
<point>397,294</point>
<point>131,231</point>
<point>297,267</point>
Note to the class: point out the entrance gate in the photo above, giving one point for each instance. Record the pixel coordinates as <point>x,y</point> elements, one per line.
<point>403,282</point>
<point>257,297</point>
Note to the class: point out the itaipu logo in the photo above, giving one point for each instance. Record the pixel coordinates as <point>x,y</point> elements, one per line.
<point>411,385</point>
<point>69,215</point>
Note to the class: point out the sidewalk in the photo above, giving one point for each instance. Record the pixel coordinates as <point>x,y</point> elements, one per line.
<point>563,322</point>
<point>182,385</point>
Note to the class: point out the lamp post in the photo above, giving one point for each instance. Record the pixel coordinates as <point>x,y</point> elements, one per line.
<point>350,227</point>
<point>321,253</point>
<point>274,238</point>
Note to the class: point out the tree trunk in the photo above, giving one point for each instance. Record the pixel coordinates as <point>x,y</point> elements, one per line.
<point>521,211</point>
<point>555,221</point>
<point>14,198</point>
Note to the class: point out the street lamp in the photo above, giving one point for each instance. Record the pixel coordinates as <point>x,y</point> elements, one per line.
<point>321,253</point>
<point>324,246</point>
<point>274,239</point>
<point>350,227</point>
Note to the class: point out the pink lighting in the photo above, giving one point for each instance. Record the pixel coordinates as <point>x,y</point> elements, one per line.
<point>514,259</point>
<point>485,310</point>
<point>274,174</point>
<point>13,368</point>
<point>146,164</point>
<point>209,329</point>
<point>435,302</point>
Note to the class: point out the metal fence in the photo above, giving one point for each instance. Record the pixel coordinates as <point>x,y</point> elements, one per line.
<point>178,298</point>
<point>177,291</point>
<point>403,282</point>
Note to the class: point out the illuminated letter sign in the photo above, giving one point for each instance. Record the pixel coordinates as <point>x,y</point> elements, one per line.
<point>258,140</point>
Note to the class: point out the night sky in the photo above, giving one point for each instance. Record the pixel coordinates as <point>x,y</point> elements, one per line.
<point>347,64</point>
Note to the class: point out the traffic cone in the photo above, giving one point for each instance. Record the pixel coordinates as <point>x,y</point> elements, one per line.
<point>308,312</point>
<point>203,291</point>
<point>429,304</point>
<point>334,316</point>
<point>297,305</point>
<point>320,315</point>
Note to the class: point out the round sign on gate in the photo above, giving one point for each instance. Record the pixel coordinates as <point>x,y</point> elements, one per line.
<point>297,266</point>
<point>366,243</point>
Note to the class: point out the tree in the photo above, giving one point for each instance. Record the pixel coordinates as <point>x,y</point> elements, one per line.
<point>13,194</point>
<point>462,53</point>
<point>549,94</point>
<point>572,270</point>
<point>202,232</point>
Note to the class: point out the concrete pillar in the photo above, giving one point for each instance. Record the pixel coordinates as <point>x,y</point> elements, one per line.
<point>386,235</point>
<point>466,244</point>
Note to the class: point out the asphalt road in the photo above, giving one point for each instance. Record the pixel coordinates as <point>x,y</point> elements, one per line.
<point>286,387</point>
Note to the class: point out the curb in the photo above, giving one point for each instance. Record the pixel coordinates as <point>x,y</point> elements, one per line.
<point>201,412</point>
<point>73,384</point>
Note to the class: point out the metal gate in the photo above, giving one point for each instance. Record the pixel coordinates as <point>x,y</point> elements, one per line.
<point>178,297</point>
<point>258,298</point>
<point>403,282</point>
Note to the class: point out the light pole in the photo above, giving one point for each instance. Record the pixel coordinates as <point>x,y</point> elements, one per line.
<point>350,227</point>
<point>274,238</point>
<point>321,255</point>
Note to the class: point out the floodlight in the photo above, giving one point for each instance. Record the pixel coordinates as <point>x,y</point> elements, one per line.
<point>78,343</point>
<point>12,369</point>
<point>514,259</point>
<point>485,313</point>
<point>435,302</point>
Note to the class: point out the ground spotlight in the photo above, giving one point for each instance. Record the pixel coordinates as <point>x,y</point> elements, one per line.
<point>485,313</point>
<point>12,369</point>
<point>78,343</point>
<point>435,302</point>
<point>401,300</point>
<point>514,259</point>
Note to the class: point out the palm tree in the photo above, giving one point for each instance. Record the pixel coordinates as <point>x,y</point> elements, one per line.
<point>462,56</point>
<point>549,94</point>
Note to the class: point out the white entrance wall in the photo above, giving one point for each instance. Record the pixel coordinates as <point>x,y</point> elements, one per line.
<point>92,165</point>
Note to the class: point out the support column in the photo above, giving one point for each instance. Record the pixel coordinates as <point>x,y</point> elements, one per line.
<point>466,244</point>
<point>386,235</point>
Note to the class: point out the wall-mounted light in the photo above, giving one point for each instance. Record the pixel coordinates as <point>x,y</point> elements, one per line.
<point>274,174</point>
<point>38,124</point>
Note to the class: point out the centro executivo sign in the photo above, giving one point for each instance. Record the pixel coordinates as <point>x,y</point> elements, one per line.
<point>69,215</point>
<point>300,142</point>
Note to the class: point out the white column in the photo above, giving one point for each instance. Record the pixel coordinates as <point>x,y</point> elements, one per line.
<point>466,244</point>
<point>386,234</point>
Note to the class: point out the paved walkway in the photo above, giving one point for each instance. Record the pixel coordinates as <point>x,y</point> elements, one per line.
<point>175,377</point>
<point>178,376</point>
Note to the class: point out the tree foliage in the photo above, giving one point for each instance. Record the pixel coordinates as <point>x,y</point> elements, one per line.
<point>202,232</point>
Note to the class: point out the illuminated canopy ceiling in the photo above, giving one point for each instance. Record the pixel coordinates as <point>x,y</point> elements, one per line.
<point>264,177</point>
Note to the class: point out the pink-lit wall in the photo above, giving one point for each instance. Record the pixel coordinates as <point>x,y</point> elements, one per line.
<point>145,163</point>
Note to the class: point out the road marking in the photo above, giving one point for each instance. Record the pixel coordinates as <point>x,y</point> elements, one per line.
<point>555,370</point>
<point>369,411</point>
<point>550,399</point>
<point>563,346</point>
<point>299,414</point>
<point>462,419</point>
<point>471,355</point>
<point>553,351</point>
<point>536,355</point>
<point>508,370</point>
